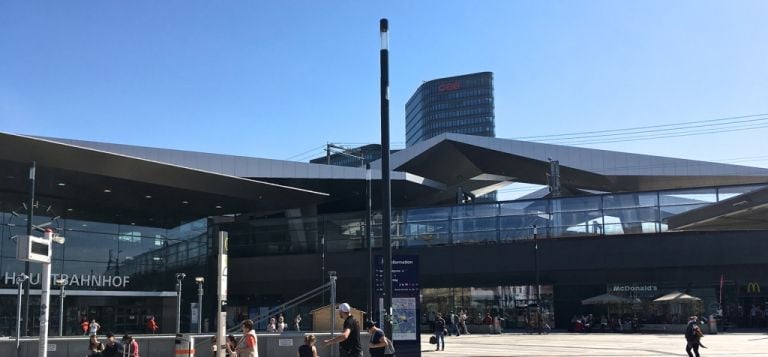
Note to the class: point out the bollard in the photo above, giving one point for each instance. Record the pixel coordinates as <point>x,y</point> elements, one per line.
<point>185,345</point>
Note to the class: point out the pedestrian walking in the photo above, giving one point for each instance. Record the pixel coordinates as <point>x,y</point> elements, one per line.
<point>93,328</point>
<point>112,348</point>
<point>463,322</point>
<point>152,325</point>
<point>349,340</point>
<point>692,336</point>
<point>247,346</point>
<point>379,342</point>
<point>440,331</point>
<point>308,349</point>
<point>84,325</point>
<point>272,325</point>
<point>95,348</point>
<point>297,322</point>
<point>130,346</point>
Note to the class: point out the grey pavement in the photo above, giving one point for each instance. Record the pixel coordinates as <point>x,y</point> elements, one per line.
<point>596,345</point>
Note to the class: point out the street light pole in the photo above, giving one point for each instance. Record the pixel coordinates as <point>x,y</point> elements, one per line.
<point>20,279</point>
<point>386,188</point>
<point>538,283</point>
<point>179,278</point>
<point>368,239</point>
<point>61,283</point>
<point>30,214</point>
<point>199,280</point>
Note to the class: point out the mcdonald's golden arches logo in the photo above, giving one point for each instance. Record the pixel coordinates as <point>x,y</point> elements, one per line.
<point>753,287</point>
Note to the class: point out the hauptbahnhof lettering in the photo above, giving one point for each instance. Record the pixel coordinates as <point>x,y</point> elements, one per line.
<point>630,225</point>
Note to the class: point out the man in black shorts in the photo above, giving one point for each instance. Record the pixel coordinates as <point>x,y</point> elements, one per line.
<point>349,340</point>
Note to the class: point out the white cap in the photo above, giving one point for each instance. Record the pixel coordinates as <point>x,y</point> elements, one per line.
<point>344,307</point>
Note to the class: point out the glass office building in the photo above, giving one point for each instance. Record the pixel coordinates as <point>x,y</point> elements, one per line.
<point>460,104</point>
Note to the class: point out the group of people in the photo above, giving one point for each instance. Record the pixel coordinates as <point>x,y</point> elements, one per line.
<point>128,347</point>
<point>278,325</point>
<point>245,346</point>
<point>348,340</point>
<point>614,323</point>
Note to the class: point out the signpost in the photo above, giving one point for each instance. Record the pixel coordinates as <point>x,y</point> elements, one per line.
<point>405,317</point>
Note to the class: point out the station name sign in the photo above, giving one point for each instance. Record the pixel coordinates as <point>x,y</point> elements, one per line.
<point>76,280</point>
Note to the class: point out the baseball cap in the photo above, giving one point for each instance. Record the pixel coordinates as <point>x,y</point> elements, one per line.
<point>344,307</point>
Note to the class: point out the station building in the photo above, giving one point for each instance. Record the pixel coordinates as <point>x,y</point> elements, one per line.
<point>630,225</point>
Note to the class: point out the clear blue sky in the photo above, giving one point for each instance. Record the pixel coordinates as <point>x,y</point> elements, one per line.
<point>276,78</point>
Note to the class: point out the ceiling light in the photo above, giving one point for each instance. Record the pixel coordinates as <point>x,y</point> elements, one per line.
<point>185,202</point>
<point>148,196</point>
<point>217,206</point>
<point>106,190</point>
<point>69,209</point>
<point>62,184</point>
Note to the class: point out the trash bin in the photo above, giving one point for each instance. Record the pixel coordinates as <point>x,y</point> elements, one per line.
<point>185,345</point>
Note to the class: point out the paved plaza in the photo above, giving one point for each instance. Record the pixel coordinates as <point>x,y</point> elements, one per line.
<point>596,345</point>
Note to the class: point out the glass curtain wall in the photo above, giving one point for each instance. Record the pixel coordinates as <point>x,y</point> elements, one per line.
<point>481,223</point>
<point>96,256</point>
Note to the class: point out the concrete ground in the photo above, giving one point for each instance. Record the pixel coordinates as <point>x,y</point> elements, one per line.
<point>596,345</point>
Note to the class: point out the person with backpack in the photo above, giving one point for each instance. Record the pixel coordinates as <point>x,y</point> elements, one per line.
<point>112,348</point>
<point>693,336</point>
<point>130,346</point>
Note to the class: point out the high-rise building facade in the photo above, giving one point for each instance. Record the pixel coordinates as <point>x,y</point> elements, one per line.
<point>461,104</point>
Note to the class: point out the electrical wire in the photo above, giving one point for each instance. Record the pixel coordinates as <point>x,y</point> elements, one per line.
<point>643,127</point>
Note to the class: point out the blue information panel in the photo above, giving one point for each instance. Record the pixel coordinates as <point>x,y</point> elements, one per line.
<point>405,301</point>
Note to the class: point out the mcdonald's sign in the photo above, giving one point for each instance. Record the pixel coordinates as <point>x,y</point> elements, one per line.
<point>753,287</point>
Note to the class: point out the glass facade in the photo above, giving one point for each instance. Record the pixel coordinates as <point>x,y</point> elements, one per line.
<point>116,272</point>
<point>513,305</point>
<point>461,104</point>
<point>482,223</point>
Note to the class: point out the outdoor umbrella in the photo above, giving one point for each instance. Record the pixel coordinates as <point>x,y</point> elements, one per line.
<point>606,299</point>
<point>676,297</point>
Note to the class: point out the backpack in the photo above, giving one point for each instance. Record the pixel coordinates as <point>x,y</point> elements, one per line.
<point>689,334</point>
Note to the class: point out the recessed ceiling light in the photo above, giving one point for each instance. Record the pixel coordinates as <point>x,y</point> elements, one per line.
<point>217,206</point>
<point>185,202</point>
<point>84,225</point>
<point>148,196</point>
<point>106,190</point>
<point>62,184</point>
<point>133,223</point>
<point>69,209</point>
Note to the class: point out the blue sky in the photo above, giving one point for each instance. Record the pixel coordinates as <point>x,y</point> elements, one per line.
<point>277,78</point>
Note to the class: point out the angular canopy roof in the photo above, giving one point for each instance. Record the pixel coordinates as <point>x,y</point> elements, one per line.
<point>427,173</point>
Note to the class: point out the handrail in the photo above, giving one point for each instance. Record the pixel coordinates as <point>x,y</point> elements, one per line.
<point>289,304</point>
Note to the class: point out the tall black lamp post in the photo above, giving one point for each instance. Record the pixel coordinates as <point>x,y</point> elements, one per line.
<point>61,283</point>
<point>179,278</point>
<point>199,280</point>
<point>538,283</point>
<point>386,202</point>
